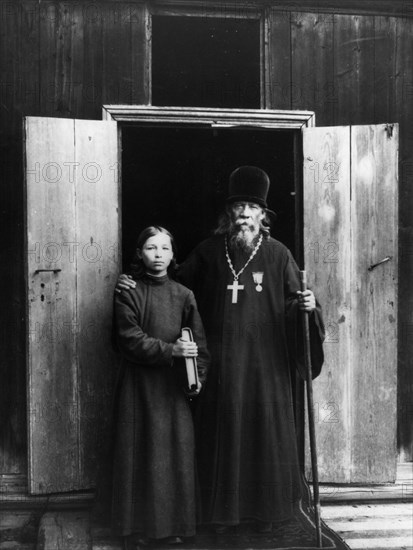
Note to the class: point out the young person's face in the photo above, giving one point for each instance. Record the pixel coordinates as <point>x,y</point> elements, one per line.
<point>157,254</point>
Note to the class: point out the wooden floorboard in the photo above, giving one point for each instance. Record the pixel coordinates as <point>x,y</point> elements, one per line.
<point>376,526</point>
<point>377,517</point>
<point>367,518</point>
<point>400,491</point>
<point>385,526</point>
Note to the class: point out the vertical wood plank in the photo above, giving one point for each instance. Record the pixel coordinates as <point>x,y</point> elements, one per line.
<point>277,81</point>
<point>117,65</point>
<point>98,223</point>
<point>374,214</point>
<point>327,257</point>
<point>140,54</point>
<point>402,108</point>
<point>91,105</point>
<point>51,347</point>
<point>354,68</point>
<point>61,59</point>
<point>19,90</point>
<point>385,51</point>
<point>312,82</point>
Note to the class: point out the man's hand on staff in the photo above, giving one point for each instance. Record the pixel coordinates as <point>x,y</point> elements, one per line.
<point>124,282</point>
<point>306,300</point>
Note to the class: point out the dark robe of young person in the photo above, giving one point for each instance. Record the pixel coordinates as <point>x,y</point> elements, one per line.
<point>246,442</point>
<point>154,456</point>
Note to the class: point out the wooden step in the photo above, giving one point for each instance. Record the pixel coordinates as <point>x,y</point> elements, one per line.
<point>385,526</point>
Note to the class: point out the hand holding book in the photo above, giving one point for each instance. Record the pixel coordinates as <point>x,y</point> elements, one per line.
<point>184,348</point>
<point>193,383</point>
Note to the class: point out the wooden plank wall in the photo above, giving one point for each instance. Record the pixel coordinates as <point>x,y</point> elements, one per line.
<point>66,59</point>
<point>367,77</point>
<point>60,60</point>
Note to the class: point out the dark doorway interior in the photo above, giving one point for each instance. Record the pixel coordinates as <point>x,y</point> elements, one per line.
<point>177,177</point>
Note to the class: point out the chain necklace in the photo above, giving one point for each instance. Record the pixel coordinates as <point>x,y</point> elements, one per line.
<point>235,286</point>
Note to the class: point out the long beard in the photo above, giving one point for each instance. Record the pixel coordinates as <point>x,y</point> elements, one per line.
<point>243,237</point>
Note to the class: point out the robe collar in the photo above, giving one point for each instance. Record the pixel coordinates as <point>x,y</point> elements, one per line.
<point>152,280</point>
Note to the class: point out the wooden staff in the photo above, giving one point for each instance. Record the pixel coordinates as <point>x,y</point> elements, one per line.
<point>311,423</point>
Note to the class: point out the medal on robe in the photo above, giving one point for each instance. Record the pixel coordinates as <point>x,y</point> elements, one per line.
<point>257,277</point>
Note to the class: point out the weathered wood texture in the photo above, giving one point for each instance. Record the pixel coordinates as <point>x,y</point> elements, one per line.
<point>278,87</point>
<point>52,364</point>
<point>327,259</point>
<point>363,527</point>
<point>349,174</point>
<point>97,193</point>
<point>353,48</point>
<point>72,227</point>
<point>312,83</point>
<point>373,526</point>
<point>374,232</point>
<point>402,110</point>
<point>18,57</point>
<point>66,59</point>
<point>369,76</point>
<point>61,60</point>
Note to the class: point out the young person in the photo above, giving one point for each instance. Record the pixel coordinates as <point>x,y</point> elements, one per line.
<point>154,457</point>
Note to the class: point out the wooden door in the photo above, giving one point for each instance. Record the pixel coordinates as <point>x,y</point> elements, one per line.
<point>72,234</point>
<point>350,224</point>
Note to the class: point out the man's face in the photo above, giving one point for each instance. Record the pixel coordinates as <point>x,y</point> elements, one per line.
<point>246,217</point>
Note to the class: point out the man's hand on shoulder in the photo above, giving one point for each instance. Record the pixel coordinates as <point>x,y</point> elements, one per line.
<point>306,300</point>
<point>124,282</point>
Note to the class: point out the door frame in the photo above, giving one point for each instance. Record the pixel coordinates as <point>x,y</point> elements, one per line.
<point>212,118</point>
<point>276,119</point>
<point>201,117</point>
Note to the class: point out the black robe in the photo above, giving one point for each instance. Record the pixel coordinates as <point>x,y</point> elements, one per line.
<point>246,443</point>
<point>154,456</point>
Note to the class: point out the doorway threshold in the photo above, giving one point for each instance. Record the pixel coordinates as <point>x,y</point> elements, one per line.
<point>400,491</point>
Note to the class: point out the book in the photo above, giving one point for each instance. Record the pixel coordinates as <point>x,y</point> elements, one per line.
<point>190,362</point>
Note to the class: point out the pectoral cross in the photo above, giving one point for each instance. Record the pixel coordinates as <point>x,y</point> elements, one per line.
<point>235,287</point>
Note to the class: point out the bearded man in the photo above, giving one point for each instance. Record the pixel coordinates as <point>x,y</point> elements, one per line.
<point>247,289</point>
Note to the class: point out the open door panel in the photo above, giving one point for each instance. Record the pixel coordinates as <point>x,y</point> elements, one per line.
<point>350,248</point>
<point>72,234</point>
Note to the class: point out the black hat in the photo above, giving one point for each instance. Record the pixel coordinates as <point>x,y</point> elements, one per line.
<point>250,184</point>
